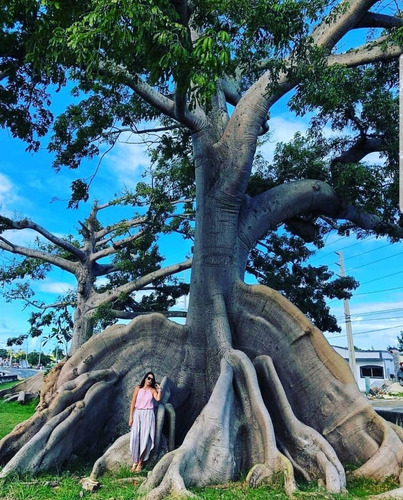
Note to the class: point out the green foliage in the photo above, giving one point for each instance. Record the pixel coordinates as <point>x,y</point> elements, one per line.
<point>281,265</point>
<point>34,358</point>
<point>399,345</point>
<point>8,385</point>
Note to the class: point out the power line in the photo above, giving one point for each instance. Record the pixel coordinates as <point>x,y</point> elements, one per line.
<point>369,293</point>
<point>379,311</point>
<point>374,262</point>
<point>379,291</point>
<point>368,251</point>
<point>368,331</point>
<point>358,320</point>
<point>343,248</point>
<point>381,278</point>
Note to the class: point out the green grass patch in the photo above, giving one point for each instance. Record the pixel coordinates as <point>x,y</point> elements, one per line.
<point>8,385</point>
<point>13,413</point>
<point>64,484</point>
<point>124,486</point>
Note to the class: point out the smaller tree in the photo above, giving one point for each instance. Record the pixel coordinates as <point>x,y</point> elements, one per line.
<point>125,253</point>
<point>36,358</point>
<point>399,345</point>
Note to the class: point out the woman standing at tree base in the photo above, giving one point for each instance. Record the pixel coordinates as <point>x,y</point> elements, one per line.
<point>142,420</point>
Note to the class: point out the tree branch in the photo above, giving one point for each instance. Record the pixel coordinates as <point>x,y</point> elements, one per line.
<point>368,53</point>
<point>27,224</point>
<point>116,246</point>
<point>349,13</point>
<point>110,296</point>
<point>160,102</point>
<point>306,197</point>
<point>132,315</point>
<point>362,147</point>
<point>374,20</point>
<point>37,254</point>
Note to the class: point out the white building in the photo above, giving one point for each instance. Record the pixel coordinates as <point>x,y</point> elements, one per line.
<point>377,365</point>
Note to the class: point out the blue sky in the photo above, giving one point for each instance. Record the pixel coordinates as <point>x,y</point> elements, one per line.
<point>29,187</point>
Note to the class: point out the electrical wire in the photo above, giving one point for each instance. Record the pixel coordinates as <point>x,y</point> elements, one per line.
<point>373,262</point>
<point>368,331</point>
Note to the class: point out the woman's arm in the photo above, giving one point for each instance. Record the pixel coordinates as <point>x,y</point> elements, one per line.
<point>132,404</point>
<point>157,392</point>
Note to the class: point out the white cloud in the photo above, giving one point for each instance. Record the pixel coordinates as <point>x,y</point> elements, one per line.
<point>8,193</point>
<point>102,281</point>
<point>58,287</point>
<point>282,130</point>
<point>127,161</point>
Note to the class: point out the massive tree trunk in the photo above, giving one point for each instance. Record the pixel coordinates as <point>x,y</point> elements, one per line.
<point>251,385</point>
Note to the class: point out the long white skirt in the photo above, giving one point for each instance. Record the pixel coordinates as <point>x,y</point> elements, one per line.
<point>142,434</point>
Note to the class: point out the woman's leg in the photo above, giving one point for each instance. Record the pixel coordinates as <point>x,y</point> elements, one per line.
<point>147,436</point>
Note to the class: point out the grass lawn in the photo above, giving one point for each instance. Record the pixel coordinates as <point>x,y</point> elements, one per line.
<point>13,413</point>
<point>65,484</point>
<point>7,385</point>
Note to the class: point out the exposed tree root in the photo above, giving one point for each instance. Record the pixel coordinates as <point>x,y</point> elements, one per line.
<point>32,384</point>
<point>206,456</point>
<point>74,416</point>
<point>320,418</point>
<point>269,463</point>
<point>57,440</point>
<point>388,460</point>
<point>115,457</point>
<point>233,432</point>
<point>309,452</point>
<point>317,381</point>
<point>64,400</point>
<point>396,494</point>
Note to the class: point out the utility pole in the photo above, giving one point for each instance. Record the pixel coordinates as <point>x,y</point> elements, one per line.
<point>347,317</point>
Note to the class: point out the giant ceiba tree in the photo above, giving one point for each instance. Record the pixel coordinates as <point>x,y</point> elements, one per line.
<point>254,385</point>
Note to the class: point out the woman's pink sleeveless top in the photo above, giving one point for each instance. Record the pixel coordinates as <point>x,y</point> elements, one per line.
<point>144,400</point>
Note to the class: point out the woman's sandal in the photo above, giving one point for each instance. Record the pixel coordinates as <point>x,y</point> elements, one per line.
<point>134,468</point>
<point>139,467</point>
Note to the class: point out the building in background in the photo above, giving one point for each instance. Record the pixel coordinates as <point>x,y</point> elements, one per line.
<point>377,365</point>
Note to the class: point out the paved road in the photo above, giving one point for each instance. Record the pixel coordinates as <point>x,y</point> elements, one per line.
<point>388,404</point>
<point>21,372</point>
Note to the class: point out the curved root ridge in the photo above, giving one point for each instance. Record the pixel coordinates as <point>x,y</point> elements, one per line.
<point>280,471</point>
<point>274,463</point>
<point>54,441</point>
<point>308,450</point>
<point>388,460</point>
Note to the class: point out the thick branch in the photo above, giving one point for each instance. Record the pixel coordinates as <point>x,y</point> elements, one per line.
<point>334,27</point>
<point>307,197</point>
<point>37,254</point>
<point>150,95</point>
<point>27,224</point>
<point>361,148</point>
<point>109,296</point>
<point>131,315</point>
<point>374,20</point>
<point>136,221</point>
<point>368,53</point>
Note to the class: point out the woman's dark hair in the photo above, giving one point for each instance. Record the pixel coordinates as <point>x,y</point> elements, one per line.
<point>144,379</point>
